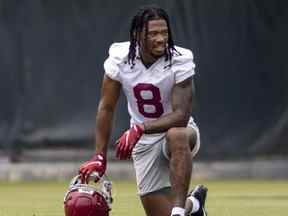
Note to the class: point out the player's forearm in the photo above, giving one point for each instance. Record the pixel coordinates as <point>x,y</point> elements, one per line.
<point>181,106</point>
<point>104,120</point>
<point>178,118</point>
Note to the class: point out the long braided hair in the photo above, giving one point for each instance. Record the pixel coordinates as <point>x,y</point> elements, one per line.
<point>140,21</point>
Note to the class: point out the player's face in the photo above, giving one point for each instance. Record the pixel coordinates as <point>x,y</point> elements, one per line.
<point>156,39</point>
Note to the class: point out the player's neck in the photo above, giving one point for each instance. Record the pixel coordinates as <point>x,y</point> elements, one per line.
<point>148,60</point>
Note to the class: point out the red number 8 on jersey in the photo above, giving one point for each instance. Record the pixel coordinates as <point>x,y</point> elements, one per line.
<point>155,100</point>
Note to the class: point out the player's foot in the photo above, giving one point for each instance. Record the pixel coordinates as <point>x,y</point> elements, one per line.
<point>200,193</point>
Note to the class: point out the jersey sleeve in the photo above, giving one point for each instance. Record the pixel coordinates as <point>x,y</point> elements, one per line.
<point>111,69</point>
<point>183,66</point>
<point>117,52</point>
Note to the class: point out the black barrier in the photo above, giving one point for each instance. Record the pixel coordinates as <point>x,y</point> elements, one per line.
<point>52,55</point>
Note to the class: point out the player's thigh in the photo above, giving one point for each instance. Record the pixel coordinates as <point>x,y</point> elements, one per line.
<point>158,202</point>
<point>151,167</point>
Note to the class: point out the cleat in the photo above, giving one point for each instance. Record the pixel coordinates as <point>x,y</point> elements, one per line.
<point>200,193</point>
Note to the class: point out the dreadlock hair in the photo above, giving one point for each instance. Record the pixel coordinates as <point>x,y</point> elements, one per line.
<point>139,21</point>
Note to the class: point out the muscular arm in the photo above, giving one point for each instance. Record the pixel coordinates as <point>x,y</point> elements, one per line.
<point>109,96</point>
<point>181,109</point>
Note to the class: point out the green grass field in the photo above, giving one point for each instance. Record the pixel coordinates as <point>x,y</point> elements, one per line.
<point>225,198</point>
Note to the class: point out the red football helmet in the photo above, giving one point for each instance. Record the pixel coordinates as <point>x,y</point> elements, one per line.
<point>88,200</point>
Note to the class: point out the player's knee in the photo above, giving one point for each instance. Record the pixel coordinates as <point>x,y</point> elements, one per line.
<point>177,139</point>
<point>177,134</point>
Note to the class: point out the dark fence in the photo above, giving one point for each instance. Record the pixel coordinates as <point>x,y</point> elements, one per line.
<point>51,62</point>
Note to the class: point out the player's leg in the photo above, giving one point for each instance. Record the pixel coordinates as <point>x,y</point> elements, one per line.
<point>180,142</point>
<point>151,163</point>
<point>196,200</point>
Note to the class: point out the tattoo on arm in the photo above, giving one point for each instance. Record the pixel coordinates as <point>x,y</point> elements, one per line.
<point>181,110</point>
<point>182,98</point>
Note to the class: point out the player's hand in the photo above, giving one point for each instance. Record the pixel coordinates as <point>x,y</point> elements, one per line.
<point>127,141</point>
<point>96,164</point>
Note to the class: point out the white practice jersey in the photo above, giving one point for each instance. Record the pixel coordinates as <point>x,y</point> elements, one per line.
<point>148,90</point>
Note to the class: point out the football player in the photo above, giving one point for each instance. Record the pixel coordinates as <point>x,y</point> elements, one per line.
<point>157,78</point>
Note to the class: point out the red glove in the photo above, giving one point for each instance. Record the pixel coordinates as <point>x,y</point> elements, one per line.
<point>127,141</point>
<point>96,164</point>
